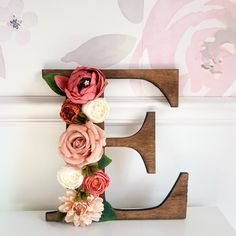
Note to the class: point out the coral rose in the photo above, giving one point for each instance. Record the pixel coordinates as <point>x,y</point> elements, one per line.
<point>69,111</point>
<point>82,144</point>
<point>84,85</point>
<point>97,183</point>
<point>81,213</point>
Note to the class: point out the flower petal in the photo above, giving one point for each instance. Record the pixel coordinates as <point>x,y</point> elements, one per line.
<point>91,139</point>
<point>29,19</point>
<point>4,14</point>
<point>16,6</point>
<point>127,8</point>
<point>89,89</point>
<point>61,208</point>
<point>102,51</point>
<point>88,96</point>
<point>69,218</point>
<point>2,65</point>
<point>70,193</point>
<point>5,33</point>
<point>61,81</point>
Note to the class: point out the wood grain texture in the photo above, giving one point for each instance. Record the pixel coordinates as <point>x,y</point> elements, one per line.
<point>167,80</point>
<point>174,205</point>
<point>143,142</point>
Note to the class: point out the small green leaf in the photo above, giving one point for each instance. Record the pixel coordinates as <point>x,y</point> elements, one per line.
<point>82,195</point>
<point>90,169</point>
<point>81,119</point>
<point>93,167</point>
<point>78,197</point>
<point>104,161</point>
<point>52,84</point>
<point>108,213</point>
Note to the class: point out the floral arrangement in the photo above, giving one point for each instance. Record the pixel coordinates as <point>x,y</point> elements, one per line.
<point>81,146</point>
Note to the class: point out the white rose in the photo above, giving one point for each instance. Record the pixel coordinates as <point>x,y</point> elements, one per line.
<point>70,177</point>
<point>96,110</point>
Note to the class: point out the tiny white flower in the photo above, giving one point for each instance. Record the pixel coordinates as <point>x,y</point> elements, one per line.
<point>70,177</point>
<point>96,110</point>
<point>86,82</point>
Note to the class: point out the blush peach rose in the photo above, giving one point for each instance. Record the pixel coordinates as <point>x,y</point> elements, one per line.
<point>84,85</point>
<point>97,183</point>
<point>82,144</point>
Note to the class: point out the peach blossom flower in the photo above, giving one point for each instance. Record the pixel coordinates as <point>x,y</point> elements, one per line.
<point>84,85</point>
<point>81,213</point>
<point>82,144</point>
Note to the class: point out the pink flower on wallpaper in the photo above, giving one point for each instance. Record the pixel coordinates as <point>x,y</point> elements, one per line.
<point>16,23</point>
<point>212,68</point>
<point>199,37</point>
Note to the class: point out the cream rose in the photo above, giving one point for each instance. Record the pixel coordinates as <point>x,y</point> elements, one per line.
<point>70,177</point>
<point>96,110</point>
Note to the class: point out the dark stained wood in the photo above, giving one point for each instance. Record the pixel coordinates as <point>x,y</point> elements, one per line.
<point>143,142</point>
<point>174,205</point>
<point>167,80</point>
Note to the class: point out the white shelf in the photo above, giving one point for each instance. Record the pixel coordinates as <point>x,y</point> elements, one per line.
<point>201,221</point>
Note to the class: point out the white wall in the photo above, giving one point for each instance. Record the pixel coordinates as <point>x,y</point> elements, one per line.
<point>198,137</point>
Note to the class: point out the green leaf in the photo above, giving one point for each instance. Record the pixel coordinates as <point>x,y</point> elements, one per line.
<point>108,213</point>
<point>93,167</point>
<point>49,78</point>
<point>90,169</point>
<point>82,195</point>
<point>81,118</point>
<point>104,161</point>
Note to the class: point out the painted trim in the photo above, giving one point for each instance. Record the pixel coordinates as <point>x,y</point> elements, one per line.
<point>124,110</point>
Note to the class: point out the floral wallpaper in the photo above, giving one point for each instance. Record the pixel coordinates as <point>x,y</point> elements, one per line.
<point>199,37</point>
<point>15,23</point>
<point>196,36</point>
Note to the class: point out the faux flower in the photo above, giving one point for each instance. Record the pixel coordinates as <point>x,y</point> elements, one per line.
<point>97,183</point>
<point>84,85</point>
<point>70,177</point>
<point>69,111</point>
<point>96,110</point>
<point>81,213</point>
<point>15,22</point>
<point>82,144</point>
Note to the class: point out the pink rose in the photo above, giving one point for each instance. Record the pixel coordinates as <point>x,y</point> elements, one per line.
<point>84,85</point>
<point>97,183</point>
<point>82,144</point>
